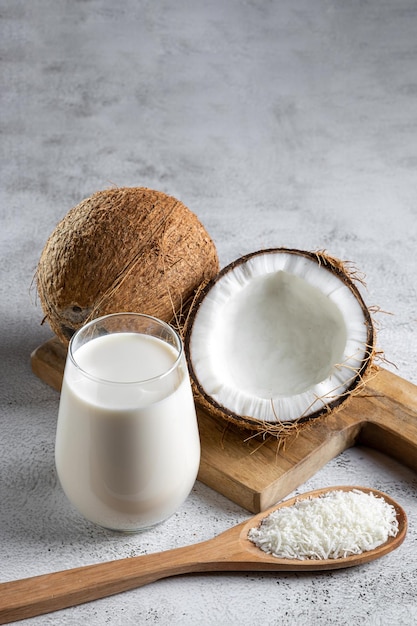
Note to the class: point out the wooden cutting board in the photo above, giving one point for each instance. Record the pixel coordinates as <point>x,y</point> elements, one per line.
<point>253,472</point>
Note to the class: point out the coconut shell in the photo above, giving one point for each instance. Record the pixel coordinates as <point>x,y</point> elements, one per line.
<point>123,249</point>
<point>281,428</point>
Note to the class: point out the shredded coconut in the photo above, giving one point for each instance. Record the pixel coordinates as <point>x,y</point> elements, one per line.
<point>334,525</point>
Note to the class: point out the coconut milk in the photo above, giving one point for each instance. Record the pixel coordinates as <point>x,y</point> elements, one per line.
<point>127,453</point>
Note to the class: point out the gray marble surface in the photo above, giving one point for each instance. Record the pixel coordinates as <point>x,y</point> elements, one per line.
<point>280,123</point>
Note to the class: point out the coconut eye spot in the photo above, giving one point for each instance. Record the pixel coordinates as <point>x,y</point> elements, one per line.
<point>278,336</point>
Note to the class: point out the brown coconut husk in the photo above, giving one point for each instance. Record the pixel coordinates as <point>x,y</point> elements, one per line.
<point>284,431</point>
<point>124,249</point>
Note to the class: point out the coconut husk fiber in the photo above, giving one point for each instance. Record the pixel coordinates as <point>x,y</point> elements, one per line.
<point>123,249</point>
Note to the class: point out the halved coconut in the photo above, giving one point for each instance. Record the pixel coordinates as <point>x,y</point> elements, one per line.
<point>278,336</point>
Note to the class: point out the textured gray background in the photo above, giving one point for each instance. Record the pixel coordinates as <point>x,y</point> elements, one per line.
<point>288,123</point>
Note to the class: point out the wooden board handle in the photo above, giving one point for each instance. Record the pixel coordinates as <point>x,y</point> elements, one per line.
<point>391,425</point>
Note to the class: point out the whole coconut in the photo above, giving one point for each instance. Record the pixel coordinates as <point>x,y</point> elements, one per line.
<point>123,249</point>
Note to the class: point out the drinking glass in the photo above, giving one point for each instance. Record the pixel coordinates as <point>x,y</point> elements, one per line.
<point>127,446</point>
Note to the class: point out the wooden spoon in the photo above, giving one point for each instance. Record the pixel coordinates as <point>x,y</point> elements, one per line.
<point>229,551</point>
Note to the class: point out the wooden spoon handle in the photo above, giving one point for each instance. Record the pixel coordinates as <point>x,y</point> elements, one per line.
<point>51,592</point>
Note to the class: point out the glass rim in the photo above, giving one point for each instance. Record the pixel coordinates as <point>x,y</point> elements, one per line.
<point>98,379</point>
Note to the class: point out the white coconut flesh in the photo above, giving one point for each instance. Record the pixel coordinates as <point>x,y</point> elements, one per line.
<point>277,337</point>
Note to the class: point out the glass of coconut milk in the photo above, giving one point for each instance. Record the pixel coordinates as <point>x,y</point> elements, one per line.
<point>127,443</point>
